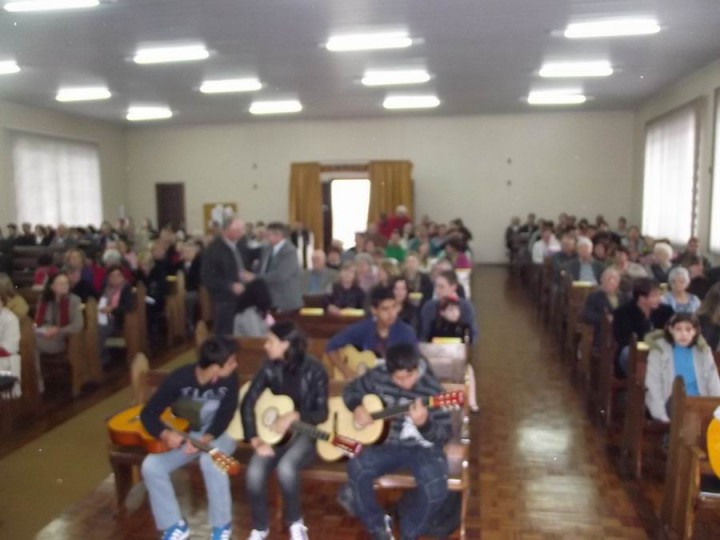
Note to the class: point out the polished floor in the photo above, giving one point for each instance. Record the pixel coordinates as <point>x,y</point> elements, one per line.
<point>541,470</point>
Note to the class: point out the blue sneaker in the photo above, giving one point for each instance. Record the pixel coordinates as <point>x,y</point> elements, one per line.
<point>222,533</point>
<point>179,531</point>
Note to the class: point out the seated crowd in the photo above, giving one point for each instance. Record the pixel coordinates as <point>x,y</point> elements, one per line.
<point>669,299</point>
<point>399,280</point>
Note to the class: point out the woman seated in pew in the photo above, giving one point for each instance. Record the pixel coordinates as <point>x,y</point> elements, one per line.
<point>660,268</point>
<point>151,272</point>
<point>679,350</point>
<point>365,271</point>
<point>345,292</point>
<point>291,371</point>
<point>10,361</point>
<point>709,316</point>
<point>408,311</point>
<point>417,280</point>
<point>116,300</point>
<point>81,288</point>
<point>387,270</point>
<point>44,271</point>
<point>14,302</point>
<point>454,250</point>
<point>602,302</point>
<point>58,316</point>
<point>677,297</point>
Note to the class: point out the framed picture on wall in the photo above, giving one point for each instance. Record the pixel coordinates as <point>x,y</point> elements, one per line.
<point>215,213</point>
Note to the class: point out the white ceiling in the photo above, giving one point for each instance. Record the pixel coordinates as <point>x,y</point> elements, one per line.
<point>483,54</point>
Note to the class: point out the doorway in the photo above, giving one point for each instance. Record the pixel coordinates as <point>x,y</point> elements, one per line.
<point>170,199</point>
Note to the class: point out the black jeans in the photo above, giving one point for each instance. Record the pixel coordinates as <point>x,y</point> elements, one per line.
<point>298,453</point>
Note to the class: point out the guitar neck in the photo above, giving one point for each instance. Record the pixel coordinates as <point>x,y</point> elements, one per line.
<point>310,430</point>
<point>195,442</point>
<point>396,410</point>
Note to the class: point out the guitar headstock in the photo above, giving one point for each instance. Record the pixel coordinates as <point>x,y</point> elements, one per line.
<point>349,446</point>
<point>227,464</point>
<point>448,400</point>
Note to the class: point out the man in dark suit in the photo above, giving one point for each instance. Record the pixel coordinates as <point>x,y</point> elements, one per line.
<point>220,271</point>
<point>279,269</point>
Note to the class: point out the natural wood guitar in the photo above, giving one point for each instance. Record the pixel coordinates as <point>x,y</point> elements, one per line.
<point>342,421</point>
<point>713,443</point>
<point>126,429</point>
<point>269,407</point>
<point>358,361</point>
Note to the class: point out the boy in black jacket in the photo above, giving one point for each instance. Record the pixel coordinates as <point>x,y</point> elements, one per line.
<point>414,442</point>
<point>212,386</point>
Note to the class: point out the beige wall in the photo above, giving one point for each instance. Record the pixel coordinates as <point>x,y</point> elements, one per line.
<point>109,138</point>
<point>701,84</point>
<point>580,162</point>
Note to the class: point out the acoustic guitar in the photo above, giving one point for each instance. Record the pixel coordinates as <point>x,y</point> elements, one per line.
<point>713,442</point>
<point>126,429</point>
<point>269,407</point>
<point>358,361</point>
<point>342,421</point>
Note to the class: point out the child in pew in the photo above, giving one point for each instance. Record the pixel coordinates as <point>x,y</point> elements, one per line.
<point>291,371</point>
<point>212,386</point>
<point>679,350</point>
<point>448,323</point>
<point>415,441</point>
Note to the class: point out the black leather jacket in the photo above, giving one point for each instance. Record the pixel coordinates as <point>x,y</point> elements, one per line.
<point>311,396</point>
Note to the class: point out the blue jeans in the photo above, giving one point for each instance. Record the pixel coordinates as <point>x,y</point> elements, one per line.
<point>297,454</point>
<point>156,470</point>
<point>428,466</point>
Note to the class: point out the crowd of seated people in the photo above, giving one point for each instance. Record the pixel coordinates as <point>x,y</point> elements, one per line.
<point>669,299</point>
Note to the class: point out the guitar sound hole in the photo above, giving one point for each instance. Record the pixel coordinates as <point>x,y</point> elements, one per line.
<point>269,416</point>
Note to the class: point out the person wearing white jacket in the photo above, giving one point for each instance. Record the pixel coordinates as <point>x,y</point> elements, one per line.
<point>9,347</point>
<point>679,350</point>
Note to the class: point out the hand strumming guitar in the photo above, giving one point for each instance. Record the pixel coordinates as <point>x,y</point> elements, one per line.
<point>171,439</point>
<point>190,448</point>
<point>282,424</point>
<point>261,449</point>
<point>362,416</point>
<point>418,413</point>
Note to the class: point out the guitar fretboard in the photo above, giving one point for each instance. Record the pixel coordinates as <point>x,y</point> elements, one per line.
<point>395,410</point>
<point>310,430</point>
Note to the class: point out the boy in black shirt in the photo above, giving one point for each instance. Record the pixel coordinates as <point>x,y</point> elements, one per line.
<point>211,385</point>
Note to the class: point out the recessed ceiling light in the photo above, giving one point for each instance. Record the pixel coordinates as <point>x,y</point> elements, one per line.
<point>612,28</point>
<point>48,5</point>
<point>275,107</point>
<point>366,42</point>
<point>577,69</point>
<point>83,94</point>
<point>230,85</point>
<point>411,102</point>
<point>161,55</point>
<point>137,114</point>
<point>8,66</point>
<point>555,97</point>
<point>388,77</point>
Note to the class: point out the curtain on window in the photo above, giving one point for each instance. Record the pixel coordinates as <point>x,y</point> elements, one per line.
<point>390,185</point>
<point>56,181</point>
<point>306,198</point>
<point>715,213</point>
<point>670,172</point>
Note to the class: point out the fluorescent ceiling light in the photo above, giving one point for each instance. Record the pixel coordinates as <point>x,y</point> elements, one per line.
<point>230,85</point>
<point>83,94</point>
<point>136,114</point>
<point>556,98</point>
<point>411,102</point>
<point>48,5</point>
<point>577,69</point>
<point>367,42</point>
<point>612,28</point>
<point>408,76</point>
<point>8,66</point>
<point>171,54</point>
<point>275,107</point>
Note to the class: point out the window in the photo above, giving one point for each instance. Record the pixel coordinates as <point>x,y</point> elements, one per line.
<point>669,183</point>
<point>56,181</point>
<point>350,200</point>
<point>715,210</point>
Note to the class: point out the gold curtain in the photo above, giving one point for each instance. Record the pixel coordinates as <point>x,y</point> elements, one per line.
<point>306,198</point>
<point>390,185</point>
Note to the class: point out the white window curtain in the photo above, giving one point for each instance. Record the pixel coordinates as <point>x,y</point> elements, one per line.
<point>56,181</point>
<point>669,183</point>
<point>715,214</point>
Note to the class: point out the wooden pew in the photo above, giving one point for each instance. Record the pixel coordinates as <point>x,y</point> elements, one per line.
<point>175,309</point>
<point>314,300</point>
<point>135,325</point>
<point>687,463</point>
<point>206,307</point>
<point>24,262</point>
<point>545,285</point>
<point>637,425</point>
<point>319,326</point>
<point>29,383</point>
<point>604,385</point>
<point>577,292</point>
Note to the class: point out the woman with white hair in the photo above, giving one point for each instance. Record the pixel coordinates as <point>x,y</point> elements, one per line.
<point>677,297</point>
<point>662,257</point>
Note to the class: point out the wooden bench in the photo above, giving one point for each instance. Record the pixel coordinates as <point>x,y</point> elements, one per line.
<point>687,463</point>
<point>577,292</point>
<point>604,385</point>
<point>126,461</point>
<point>175,308</point>
<point>319,326</point>
<point>24,262</point>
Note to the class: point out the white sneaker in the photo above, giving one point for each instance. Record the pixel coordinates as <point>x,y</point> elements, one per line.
<point>298,531</point>
<point>258,535</point>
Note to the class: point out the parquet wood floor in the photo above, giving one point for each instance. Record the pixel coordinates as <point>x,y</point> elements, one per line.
<point>540,470</point>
